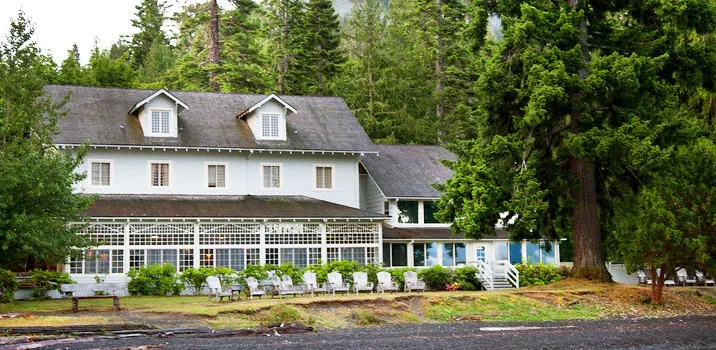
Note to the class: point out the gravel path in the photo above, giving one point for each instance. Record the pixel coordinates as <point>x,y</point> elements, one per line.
<point>698,332</point>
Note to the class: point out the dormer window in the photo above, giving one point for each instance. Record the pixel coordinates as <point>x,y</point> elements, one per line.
<point>270,125</point>
<point>160,121</point>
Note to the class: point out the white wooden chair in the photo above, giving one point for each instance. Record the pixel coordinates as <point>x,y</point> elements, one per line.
<point>312,286</point>
<point>641,277</point>
<point>361,284</point>
<point>286,287</point>
<point>682,277</point>
<point>335,282</point>
<point>701,279</point>
<point>215,289</point>
<point>412,282</point>
<point>385,283</point>
<point>667,282</point>
<point>253,288</point>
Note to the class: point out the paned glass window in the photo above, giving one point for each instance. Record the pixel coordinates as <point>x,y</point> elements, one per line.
<point>160,121</point>
<point>408,212</point>
<point>272,176</point>
<point>324,177</point>
<point>425,254</point>
<point>160,174</point>
<point>269,125</point>
<point>100,173</point>
<point>430,208</point>
<point>216,175</point>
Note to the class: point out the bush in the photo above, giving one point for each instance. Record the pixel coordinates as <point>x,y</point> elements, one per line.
<point>345,267</point>
<point>436,277</point>
<point>466,278</point>
<point>398,277</point>
<point>282,313</point>
<point>195,278</point>
<point>372,271</point>
<point>538,274</point>
<point>256,271</point>
<point>227,276</point>
<point>289,269</point>
<point>46,281</point>
<point>364,318</point>
<point>154,280</point>
<point>8,286</point>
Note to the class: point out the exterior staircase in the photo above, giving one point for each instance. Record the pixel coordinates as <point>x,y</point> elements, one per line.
<point>498,275</point>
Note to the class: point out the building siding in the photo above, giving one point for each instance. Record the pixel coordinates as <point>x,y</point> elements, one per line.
<point>373,197</point>
<point>130,173</point>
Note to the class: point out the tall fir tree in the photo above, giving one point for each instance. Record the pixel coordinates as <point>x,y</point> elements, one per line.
<point>71,70</point>
<point>150,17</point>
<point>283,29</point>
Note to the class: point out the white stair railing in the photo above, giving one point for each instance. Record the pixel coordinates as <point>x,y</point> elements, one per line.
<point>512,274</point>
<point>485,275</point>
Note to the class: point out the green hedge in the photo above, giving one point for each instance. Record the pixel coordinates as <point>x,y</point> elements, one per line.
<point>154,280</point>
<point>538,274</point>
<point>8,286</point>
<point>46,281</point>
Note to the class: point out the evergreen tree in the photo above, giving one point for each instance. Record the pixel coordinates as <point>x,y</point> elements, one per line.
<point>319,55</point>
<point>283,29</point>
<point>37,201</point>
<point>574,105</point>
<point>71,71</point>
<point>104,71</point>
<point>149,20</point>
<point>159,60</point>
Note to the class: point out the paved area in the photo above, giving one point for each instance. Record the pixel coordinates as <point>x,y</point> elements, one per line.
<point>663,333</point>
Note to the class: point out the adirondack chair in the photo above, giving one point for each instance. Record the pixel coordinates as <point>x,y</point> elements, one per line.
<point>335,282</point>
<point>412,282</point>
<point>215,289</point>
<point>312,286</point>
<point>286,287</point>
<point>682,277</point>
<point>385,282</point>
<point>667,282</point>
<point>361,284</point>
<point>701,279</point>
<point>253,289</point>
<point>641,276</point>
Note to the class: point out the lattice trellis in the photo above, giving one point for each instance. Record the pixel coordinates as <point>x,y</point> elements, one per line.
<point>242,234</point>
<point>106,233</point>
<point>352,234</point>
<point>293,234</point>
<point>161,234</point>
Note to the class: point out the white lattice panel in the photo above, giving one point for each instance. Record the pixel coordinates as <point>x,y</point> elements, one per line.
<point>237,234</point>
<point>161,234</point>
<point>293,234</point>
<point>352,234</point>
<point>106,233</point>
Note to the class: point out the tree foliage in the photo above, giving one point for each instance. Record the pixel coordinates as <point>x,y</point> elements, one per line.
<point>36,196</point>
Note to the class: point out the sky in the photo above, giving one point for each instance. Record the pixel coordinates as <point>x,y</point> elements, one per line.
<point>60,23</point>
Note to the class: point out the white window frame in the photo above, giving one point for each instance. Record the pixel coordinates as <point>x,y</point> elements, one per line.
<point>169,121</point>
<point>206,176</point>
<point>149,173</point>
<point>278,126</point>
<point>333,177</point>
<point>280,176</point>
<point>89,172</point>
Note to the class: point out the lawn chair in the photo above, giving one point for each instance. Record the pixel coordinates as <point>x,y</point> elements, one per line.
<point>667,282</point>
<point>312,286</point>
<point>641,277</point>
<point>253,288</point>
<point>335,282</point>
<point>385,282</point>
<point>701,279</point>
<point>412,282</point>
<point>682,277</point>
<point>215,289</point>
<point>361,284</point>
<point>286,287</point>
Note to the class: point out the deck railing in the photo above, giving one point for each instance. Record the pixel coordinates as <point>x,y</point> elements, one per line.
<point>485,275</point>
<point>504,269</point>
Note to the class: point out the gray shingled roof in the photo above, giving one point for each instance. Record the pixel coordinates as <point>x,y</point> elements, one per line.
<point>408,171</point>
<point>188,206</point>
<point>100,115</point>
<point>396,233</point>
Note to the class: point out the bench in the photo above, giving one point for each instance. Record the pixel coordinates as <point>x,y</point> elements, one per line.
<point>89,291</point>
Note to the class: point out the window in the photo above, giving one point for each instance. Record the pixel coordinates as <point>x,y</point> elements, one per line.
<point>97,261</point>
<point>314,256</point>
<point>480,254</point>
<point>332,254</point>
<point>160,174</point>
<point>296,256</point>
<point>515,252</point>
<point>269,125</point>
<point>117,261</point>
<point>231,258</point>
<point>386,208</point>
<point>408,212</point>
<point>429,210</point>
<point>501,251</point>
<point>162,256</point>
<point>206,257</point>
<point>216,174</point>
<point>272,176</point>
<point>532,253</point>
<point>272,256</point>
<point>160,121</point>
<point>547,250</point>
<point>324,177</point>
<point>100,173</point>
<point>136,258</point>
<point>425,254</point>
<point>395,254</point>
<point>453,254</point>
<point>253,256</point>
<point>186,259</point>
<point>353,254</point>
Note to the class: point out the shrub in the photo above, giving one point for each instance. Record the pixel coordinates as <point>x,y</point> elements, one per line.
<point>154,280</point>
<point>372,271</point>
<point>195,278</point>
<point>227,276</point>
<point>436,277</point>
<point>466,278</point>
<point>538,274</point>
<point>8,286</point>
<point>364,317</point>
<point>256,271</point>
<point>345,267</point>
<point>289,269</point>
<point>46,281</point>
<point>282,313</point>
<point>398,277</point>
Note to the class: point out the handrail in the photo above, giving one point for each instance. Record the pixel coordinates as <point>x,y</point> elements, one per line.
<point>485,275</point>
<point>512,274</point>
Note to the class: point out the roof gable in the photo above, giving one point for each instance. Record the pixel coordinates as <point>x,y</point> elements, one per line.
<point>141,103</point>
<point>262,102</point>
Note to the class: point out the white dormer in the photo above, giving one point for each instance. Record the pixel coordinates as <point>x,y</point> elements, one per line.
<point>158,114</point>
<point>267,118</point>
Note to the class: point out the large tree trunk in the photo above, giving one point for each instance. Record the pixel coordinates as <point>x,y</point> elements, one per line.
<point>214,44</point>
<point>283,43</point>
<point>588,254</point>
<point>657,283</point>
<point>439,70</point>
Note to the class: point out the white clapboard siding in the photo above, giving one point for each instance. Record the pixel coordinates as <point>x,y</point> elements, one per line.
<point>130,173</point>
<point>372,196</point>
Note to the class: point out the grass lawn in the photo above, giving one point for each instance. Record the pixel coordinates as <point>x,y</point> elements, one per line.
<point>569,299</point>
